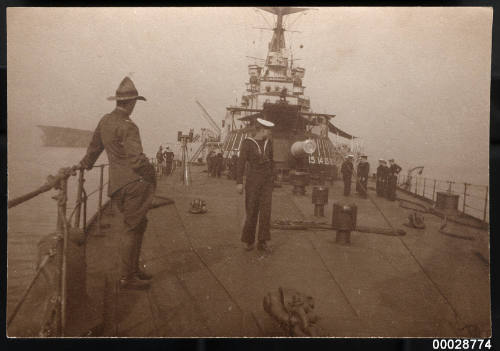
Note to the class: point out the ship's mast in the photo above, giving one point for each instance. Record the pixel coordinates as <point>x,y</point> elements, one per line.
<point>278,40</point>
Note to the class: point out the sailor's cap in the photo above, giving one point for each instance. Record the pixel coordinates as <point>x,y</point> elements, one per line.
<point>381,160</point>
<point>264,123</point>
<point>350,156</point>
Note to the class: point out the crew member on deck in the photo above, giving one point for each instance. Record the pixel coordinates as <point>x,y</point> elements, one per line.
<point>210,163</point>
<point>362,171</point>
<point>382,171</point>
<point>258,152</point>
<point>169,160</point>
<point>233,164</point>
<point>219,164</point>
<point>392,179</point>
<point>159,161</point>
<point>132,178</point>
<point>346,169</point>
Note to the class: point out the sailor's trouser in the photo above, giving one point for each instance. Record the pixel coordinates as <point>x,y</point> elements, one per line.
<point>391,187</point>
<point>380,187</point>
<point>258,202</point>
<point>134,201</point>
<point>168,167</point>
<point>361,185</point>
<point>347,185</point>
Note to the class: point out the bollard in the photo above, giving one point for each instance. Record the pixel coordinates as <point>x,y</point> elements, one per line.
<point>344,221</point>
<point>319,199</point>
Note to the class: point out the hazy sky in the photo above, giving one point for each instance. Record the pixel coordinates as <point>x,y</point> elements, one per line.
<point>413,83</point>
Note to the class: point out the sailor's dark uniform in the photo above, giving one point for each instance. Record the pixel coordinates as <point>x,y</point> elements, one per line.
<point>381,185</point>
<point>132,180</point>
<point>258,187</point>
<point>346,169</point>
<point>219,165</point>
<point>159,161</point>
<point>233,164</point>
<point>169,159</point>
<point>363,171</point>
<point>392,179</point>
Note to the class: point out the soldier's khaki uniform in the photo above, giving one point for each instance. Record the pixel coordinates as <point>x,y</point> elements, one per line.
<point>132,180</point>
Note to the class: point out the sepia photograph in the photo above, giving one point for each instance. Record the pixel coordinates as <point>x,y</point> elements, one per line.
<point>273,172</point>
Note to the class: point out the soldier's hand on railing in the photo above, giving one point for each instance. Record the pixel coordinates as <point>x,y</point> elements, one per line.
<point>77,167</point>
<point>239,187</point>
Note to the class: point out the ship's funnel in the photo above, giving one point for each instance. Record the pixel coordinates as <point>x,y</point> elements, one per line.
<point>303,148</point>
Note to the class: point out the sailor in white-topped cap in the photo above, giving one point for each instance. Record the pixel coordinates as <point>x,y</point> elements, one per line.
<point>382,171</point>
<point>362,172</point>
<point>392,179</point>
<point>346,169</point>
<point>257,151</point>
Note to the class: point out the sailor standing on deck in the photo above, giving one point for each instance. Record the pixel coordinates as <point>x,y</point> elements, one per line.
<point>362,172</point>
<point>392,179</point>
<point>382,171</point>
<point>132,179</point>
<point>346,169</point>
<point>258,152</point>
<point>159,161</point>
<point>169,160</point>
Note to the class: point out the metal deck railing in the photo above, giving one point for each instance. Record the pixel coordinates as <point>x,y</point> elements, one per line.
<point>473,198</point>
<point>59,182</point>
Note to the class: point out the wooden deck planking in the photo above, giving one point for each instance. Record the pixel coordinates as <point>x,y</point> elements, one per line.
<point>380,285</point>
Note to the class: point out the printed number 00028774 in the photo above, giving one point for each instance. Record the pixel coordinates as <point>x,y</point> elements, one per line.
<point>461,344</point>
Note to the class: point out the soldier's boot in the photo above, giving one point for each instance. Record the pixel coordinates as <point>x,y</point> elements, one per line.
<point>140,273</point>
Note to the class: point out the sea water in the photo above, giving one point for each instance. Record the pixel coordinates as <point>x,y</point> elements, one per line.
<point>28,166</point>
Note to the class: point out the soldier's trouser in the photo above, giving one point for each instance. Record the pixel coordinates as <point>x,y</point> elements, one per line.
<point>378,187</point>
<point>347,186</point>
<point>169,168</point>
<point>133,200</point>
<point>258,202</point>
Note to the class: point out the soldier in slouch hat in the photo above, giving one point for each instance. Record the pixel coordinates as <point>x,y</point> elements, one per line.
<point>132,178</point>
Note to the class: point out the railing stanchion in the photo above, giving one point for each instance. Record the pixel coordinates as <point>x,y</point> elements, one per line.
<point>79,198</point>
<point>423,192</point>
<point>99,210</point>
<point>84,224</point>
<point>485,203</point>
<point>434,190</point>
<point>416,185</point>
<point>62,226</point>
<point>465,197</point>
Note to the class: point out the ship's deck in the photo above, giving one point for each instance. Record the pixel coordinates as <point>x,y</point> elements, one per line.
<point>205,284</point>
